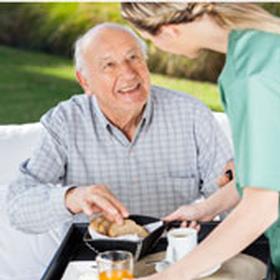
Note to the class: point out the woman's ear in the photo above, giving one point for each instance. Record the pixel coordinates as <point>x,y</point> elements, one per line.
<point>83,83</point>
<point>169,31</point>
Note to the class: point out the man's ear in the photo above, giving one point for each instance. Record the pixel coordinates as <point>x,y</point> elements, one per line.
<point>83,83</point>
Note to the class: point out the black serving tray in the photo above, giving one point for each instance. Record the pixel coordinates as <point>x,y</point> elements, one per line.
<point>73,248</point>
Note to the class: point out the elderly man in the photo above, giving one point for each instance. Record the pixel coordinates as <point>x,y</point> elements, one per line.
<point>123,140</point>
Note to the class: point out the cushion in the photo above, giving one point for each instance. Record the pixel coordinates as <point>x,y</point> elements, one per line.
<point>16,144</point>
<point>225,125</point>
<point>22,256</point>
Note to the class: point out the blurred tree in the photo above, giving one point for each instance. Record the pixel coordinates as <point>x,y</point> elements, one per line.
<point>54,27</point>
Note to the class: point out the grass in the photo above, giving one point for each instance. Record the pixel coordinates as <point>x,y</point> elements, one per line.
<point>204,91</point>
<point>31,83</point>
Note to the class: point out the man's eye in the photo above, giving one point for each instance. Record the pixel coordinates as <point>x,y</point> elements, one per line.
<point>109,65</point>
<point>133,57</point>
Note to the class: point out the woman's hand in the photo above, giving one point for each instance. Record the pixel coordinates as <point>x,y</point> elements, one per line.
<point>193,213</point>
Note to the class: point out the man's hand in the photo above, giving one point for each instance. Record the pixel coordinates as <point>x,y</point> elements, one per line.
<point>94,199</point>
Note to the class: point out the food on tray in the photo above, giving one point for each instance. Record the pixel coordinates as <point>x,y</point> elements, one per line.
<point>94,224</point>
<point>128,227</point>
<point>112,229</point>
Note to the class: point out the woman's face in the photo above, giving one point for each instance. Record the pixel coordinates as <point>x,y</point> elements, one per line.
<point>180,39</point>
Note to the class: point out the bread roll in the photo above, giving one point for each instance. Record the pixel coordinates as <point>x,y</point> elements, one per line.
<point>94,224</point>
<point>103,226</point>
<point>128,227</point>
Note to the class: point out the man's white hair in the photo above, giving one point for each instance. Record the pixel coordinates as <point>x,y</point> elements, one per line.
<point>83,41</point>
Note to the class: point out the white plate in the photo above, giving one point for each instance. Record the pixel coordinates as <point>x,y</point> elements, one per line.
<point>160,266</point>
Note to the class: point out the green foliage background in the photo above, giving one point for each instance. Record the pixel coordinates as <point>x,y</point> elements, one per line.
<point>53,28</point>
<point>32,82</point>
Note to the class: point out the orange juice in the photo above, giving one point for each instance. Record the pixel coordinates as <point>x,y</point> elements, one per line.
<point>115,275</point>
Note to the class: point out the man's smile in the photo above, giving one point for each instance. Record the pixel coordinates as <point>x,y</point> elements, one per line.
<point>130,89</point>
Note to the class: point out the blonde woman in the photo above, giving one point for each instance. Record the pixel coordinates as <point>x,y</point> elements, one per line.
<point>250,91</point>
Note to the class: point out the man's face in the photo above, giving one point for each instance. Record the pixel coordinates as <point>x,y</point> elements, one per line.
<point>116,73</point>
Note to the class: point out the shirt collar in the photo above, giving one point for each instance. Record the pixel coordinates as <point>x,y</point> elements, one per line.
<point>104,121</point>
<point>147,114</point>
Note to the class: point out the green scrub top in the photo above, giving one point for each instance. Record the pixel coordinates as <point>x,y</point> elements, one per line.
<point>250,92</point>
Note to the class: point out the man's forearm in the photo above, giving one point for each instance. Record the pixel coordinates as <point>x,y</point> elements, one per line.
<point>256,212</point>
<point>37,209</point>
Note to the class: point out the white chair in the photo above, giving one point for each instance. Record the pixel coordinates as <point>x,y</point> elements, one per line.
<point>22,256</point>
<point>225,125</point>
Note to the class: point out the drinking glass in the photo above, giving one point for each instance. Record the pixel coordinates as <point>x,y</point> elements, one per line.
<point>115,265</point>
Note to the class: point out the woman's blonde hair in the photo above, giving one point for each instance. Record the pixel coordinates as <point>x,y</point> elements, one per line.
<point>151,16</point>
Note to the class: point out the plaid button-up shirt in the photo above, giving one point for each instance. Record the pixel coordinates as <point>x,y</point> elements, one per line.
<point>176,154</point>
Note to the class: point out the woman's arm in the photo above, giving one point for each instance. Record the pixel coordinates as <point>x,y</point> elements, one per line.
<point>223,199</point>
<point>257,210</point>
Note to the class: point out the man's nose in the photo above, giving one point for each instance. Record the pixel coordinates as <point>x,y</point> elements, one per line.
<point>127,71</point>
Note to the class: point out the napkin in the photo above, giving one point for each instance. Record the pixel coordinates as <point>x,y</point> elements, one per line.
<point>81,270</point>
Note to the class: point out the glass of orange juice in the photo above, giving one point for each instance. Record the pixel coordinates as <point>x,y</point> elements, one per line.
<point>115,265</point>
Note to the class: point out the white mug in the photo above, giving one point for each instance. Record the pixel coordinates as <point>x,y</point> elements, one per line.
<point>181,241</point>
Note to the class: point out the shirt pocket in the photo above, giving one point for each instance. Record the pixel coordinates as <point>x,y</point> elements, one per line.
<point>162,195</point>
<point>185,189</point>
<point>173,192</point>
